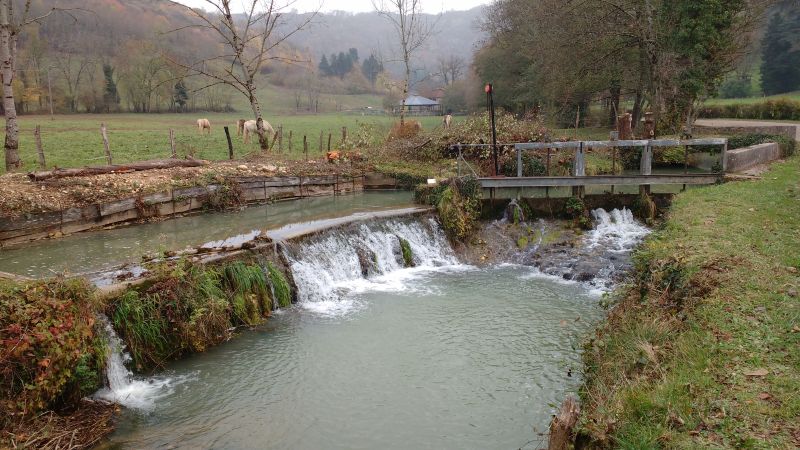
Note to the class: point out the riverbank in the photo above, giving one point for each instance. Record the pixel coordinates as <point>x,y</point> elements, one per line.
<point>701,350</point>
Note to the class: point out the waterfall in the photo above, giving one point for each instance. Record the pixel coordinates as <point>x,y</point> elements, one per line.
<point>123,387</point>
<point>365,257</point>
<point>616,231</point>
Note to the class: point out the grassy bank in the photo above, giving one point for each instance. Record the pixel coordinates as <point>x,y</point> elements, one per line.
<point>702,350</point>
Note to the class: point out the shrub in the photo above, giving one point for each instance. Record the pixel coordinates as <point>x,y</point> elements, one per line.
<point>780,109</point>
<point>408,254</point>
<point>51,353</point>
<point>459,208</point>
<point>787,144</point>
<point>532,166</point>
<point>280,286</point>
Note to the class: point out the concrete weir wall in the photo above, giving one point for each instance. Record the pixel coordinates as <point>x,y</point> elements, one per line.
<point>745,158</point>
<point>19,230</point>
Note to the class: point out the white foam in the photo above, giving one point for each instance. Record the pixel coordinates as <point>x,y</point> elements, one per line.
<point>616,231</point>
<point>125,389</point>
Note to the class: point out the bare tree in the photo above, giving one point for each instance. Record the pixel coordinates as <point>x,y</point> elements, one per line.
<point>10,28</point>
<point>451,68</point>
<point>412,30</point>
<point>249,41</point>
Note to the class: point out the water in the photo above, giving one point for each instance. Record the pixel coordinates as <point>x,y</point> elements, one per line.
<point>126,389</point>
<point>441,355</point>
<point>105,249</point>
<point>448,361</point>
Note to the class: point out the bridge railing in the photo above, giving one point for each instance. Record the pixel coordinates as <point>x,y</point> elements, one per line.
<point>646,146</point>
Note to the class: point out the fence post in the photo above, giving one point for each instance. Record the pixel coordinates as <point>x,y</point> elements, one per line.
<point>344,136</point>
<point>519,161</point>
<point>106,145</point>
<point>280,139</point>
<point>37,133</point>
<point>321,140</point>
<point>305,146</point>
<point>330,136</point>
<point>230,144</point>
<point>172,147</point>
<point>290,141</point>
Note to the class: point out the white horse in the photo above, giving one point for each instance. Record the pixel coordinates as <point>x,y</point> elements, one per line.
<point>204,124</point>
<point>448,121</point>
<point>251,127</point>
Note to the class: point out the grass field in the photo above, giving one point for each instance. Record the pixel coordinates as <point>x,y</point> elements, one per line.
<point>75,140</point>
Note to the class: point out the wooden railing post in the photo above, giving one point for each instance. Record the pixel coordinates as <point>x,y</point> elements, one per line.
<point>580,162</point>
<point>230,143</point>
<point>519,161</point>
<point>725,157</point>
<point>646,163</point>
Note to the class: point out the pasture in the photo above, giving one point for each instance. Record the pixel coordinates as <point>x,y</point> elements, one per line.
<point>75,140</point>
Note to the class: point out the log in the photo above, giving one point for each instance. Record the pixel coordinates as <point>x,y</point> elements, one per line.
<point>562,428</point>
<point>116,168</point>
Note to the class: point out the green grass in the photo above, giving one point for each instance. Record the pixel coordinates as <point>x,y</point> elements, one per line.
<point>75,140</point>
<point>751,100</point>
<point>715,299</point>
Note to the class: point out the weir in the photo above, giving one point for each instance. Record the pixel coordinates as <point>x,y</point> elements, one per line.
<point>376,337</point>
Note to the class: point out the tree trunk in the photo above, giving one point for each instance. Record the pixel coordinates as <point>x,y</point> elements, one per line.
<point>406,86</point>
<point>8,50</point>
<point>262,138</point>
<point>118,168</point>
<point>562,429</point>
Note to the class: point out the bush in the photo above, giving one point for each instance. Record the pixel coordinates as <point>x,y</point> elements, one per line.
<point>787,144</point>
<point>532,166</point>
<point>459,207</point>
<point>736,88</point>
<point>780,109</point>
<point>51,353</point>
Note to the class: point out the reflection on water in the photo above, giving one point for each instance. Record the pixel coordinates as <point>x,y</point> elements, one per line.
<point>105,249</point>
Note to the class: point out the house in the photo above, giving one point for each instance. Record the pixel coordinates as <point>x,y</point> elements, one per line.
<point>416,105</point>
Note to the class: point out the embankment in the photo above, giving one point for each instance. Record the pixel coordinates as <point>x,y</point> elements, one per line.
<point>701,350</point>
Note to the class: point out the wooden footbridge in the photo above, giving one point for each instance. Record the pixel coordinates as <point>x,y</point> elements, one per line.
<point>627,183</point>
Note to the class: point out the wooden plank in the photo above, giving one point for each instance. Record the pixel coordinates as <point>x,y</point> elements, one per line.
<point>622,180</point>
<point>158,197</point>
<point>81,214</point>
<point>109,209</point>
<point>30,222</point>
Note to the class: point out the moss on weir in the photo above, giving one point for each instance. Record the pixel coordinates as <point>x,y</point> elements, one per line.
<point>189,308</point>
<point>701,351</point>
<point>408,254</point>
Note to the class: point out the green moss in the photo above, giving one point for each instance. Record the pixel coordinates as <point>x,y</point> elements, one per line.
<point>459,208</point>
<point>408,254</point>
<point>522,243</point>
<point>280,286</point>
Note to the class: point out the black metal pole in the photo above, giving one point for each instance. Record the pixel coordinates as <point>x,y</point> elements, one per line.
<point>494,132</point>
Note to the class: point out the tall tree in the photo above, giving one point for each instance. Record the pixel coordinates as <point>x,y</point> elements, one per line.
<point>11,25</point>
<point>371,68</point>
<point>111,94</point>
<point>412,31</point>
<point>324,66</point>
<point>780,67</point>
<point>249,39</point>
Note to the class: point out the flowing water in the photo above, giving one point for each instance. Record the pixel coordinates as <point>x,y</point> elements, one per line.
<point>376,355</point>
<point>102,250</point>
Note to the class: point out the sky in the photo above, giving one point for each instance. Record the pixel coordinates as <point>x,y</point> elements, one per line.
<point>430,6</point>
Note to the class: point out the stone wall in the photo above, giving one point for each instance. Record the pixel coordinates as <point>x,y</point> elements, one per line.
<point>744,158</point>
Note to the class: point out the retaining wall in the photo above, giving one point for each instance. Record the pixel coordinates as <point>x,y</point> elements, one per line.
<point>18,230</point>
<point>744,158</point>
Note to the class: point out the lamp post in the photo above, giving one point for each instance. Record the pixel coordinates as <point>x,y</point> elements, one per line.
<point>490,103</point>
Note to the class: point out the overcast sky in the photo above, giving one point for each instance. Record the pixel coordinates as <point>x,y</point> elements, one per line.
<point>430,6</point>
